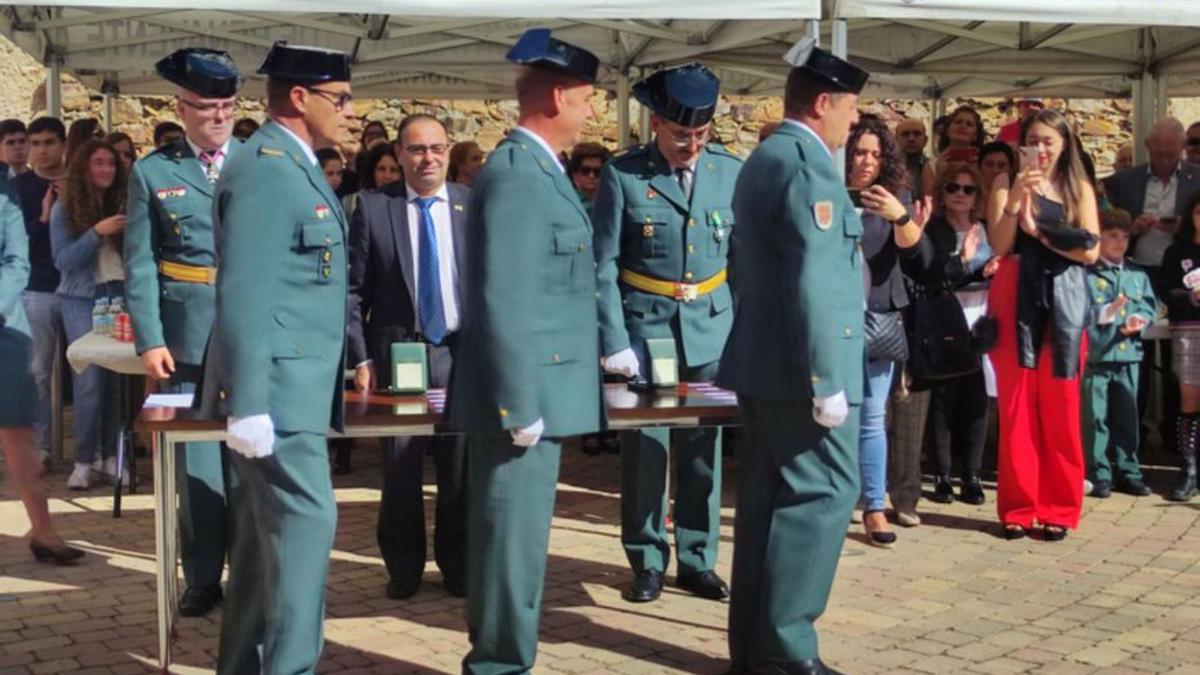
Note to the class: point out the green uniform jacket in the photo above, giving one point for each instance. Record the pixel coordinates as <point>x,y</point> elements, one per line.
<point>170,219</point>
<point>798,329</point>
<point>14,260</point>
<point>644,224</point>
<point>279,337</point>
<point>529,347</point>
<point>1106,343</point>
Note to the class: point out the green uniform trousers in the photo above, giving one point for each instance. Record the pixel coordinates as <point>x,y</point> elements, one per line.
<point>697,514</point>
<point>200,471</point>
<point>798,482</point>
<point>1110,420</point>
<point>284,518</point>
<point>508,537</point>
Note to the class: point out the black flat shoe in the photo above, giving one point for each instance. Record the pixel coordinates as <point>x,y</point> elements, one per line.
<point>971,491</point>
<point>1013,531</point>
<point>402,589</point>
<point>943,490</point>
<point>705,584</point>
<point>1053,533</point>
<point>199,600</point>
<point>455,586</point>
<point>1134,487</point>
<point>1101,489</point>
<point>59,555</point>
<point>646,587</point>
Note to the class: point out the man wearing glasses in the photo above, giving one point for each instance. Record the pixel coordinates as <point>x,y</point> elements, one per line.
<point>170,272</point>
<point>407,249</point>
<point>662,219</point>
<point>274,365</point>
<point>1192,148</point>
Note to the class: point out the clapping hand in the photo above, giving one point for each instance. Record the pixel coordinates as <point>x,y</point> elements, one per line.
<point>1134,324</point>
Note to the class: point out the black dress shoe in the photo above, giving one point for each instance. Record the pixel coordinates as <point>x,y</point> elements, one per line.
<point>1101,489</point>
<point>971,491</point>
<point>456,586</point>
<point>705,584</point>
<point>1134,486</point>
<point>646,587</point>
<point>402,589</point>
<point>59,555</point>
<point>199,600</point>
<point>943,490</point>
<point>806,667</point>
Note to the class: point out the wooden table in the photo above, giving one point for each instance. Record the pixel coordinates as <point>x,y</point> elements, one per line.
<point>374,415</point>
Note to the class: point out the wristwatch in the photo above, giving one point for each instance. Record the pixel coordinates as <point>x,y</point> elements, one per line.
<point>901,221</point>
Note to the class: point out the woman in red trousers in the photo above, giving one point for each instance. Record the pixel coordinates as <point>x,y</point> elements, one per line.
<point>1045,224</point>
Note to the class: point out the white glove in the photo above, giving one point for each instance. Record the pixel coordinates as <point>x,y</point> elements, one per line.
<point>624,362</point>
<point>1108,313</point>
<point>831,411</point>
<point>252,437</point>
<point>529,435</point>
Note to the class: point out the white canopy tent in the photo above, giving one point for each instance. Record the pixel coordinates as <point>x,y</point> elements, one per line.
<point>931,49</point>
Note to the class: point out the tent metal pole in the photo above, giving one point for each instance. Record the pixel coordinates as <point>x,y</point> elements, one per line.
<point>813,30</point>
<point>839,43</point>
<point>54,87</point>
<point>623,140</point>
<point>108,113</point>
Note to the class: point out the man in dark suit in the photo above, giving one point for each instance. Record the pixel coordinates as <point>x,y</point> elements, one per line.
<point>407,245</point>
<point>1156,195</point>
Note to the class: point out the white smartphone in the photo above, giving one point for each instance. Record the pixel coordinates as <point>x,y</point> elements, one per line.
<point>1029,156</point>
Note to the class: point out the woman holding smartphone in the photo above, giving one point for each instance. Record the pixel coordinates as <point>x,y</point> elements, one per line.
<point>959,142</point>
<point>1046,226</point>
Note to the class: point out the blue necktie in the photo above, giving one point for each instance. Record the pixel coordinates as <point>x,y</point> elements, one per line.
<point>429,282</point>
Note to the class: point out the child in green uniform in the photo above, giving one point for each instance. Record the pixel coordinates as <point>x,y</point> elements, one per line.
<point>1123,305</point>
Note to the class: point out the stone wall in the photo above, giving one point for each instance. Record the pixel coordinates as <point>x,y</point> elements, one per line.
<point>1104,124</point>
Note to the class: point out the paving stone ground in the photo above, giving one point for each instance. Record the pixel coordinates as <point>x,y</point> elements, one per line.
<point>1121,595</point>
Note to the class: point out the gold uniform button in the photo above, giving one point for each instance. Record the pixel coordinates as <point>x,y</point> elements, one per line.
<point>581,247</point>
<point>221,394</point>
<point>504,412</point>
<point>178,231</point>
<point>687,275</point>
<point>555,358</point>
<point>328,240</point>
<point>1122,312</point>
<point>326,271</point>
<point>173,216</point>
<point>847,330</point>
<point>327,256</point>
<point>691,222</point>
<point>1121,346</point>
<point>815,379</point>
<point>691,248</point>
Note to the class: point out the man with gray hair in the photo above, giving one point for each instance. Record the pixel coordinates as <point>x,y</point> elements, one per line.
<point>1156,193</point>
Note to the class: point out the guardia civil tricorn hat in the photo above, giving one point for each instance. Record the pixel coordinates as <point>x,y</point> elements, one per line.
<point>305,64</point>
<point>685,95</point>
<point>210,73</point>
<point>807,56</point>
<point>537,48</point>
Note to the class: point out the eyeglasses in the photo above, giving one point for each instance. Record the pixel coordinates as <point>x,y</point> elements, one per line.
<point>592,171</point>
<point>209,109</point>
<point>683,139</point>
<point>339,98</point>
<point>968,190</point>
<point>421,150</point>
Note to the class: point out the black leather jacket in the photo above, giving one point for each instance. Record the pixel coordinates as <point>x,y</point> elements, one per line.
<point>1052,288</point>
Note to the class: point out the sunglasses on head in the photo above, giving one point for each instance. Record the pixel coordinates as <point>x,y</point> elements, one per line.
<point>968,190</point>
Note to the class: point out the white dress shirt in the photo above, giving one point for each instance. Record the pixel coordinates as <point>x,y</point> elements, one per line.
<point>447,263</point>
<point>1152,245</point>
<point>224,150</point>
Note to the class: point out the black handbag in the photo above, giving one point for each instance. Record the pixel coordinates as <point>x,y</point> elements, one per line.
<point>885,336</point>
<point>940,345</point>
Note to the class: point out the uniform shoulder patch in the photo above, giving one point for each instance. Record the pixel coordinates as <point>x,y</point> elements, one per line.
<point>269,152</point>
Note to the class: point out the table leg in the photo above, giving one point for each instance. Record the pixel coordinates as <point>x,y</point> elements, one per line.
<point>164,543</point>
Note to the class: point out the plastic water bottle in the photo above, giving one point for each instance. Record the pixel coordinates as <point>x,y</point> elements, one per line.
<point>99,315</point>
<point>115,306</point>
